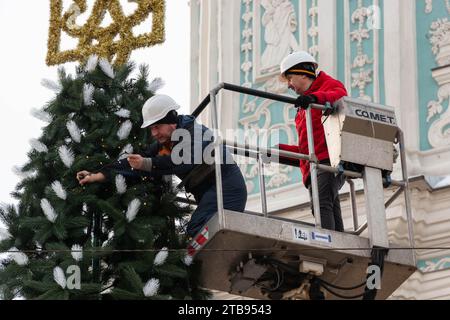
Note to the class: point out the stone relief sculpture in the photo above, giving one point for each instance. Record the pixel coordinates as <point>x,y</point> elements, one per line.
<point>429,6</point>
<point>246,42</point>
<point>439,132</point>
<point>277,175</point>
<point>313,30</point>
<point>362,71</point>
<point>280,22</point>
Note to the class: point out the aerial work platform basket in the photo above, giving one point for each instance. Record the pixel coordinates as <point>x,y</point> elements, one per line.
<point>267,257</point>
<point>230,256</point>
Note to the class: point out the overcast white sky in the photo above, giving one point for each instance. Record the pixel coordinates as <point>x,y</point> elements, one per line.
<point>23,34</point>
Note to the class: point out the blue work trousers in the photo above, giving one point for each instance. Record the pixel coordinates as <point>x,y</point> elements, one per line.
<point>234,199</point>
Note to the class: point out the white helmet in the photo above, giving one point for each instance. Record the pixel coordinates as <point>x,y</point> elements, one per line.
<point>295,58</point>
<point>156,108</point>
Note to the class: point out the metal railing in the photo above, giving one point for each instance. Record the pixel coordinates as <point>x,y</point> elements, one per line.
<point>258,153</point>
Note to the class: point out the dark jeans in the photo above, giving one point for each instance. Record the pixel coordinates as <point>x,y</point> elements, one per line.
<point>329,185</point>
<point>234,199</point>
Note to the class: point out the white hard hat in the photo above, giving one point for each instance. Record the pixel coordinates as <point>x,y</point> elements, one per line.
<point>295,58</point>
<point>156,108</point>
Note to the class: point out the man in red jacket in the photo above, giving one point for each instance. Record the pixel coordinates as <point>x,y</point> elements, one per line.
<point>299,70</point>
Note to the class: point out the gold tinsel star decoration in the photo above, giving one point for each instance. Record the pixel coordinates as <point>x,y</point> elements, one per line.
<point>116,40</point>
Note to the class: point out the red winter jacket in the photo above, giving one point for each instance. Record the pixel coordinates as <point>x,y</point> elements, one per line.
<point>325,89</point>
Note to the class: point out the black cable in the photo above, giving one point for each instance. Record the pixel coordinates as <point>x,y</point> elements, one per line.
<point>278,272</point>
<point>285,266</point>
<point>340,295</point>
<point>314,290</point>
<point>323,283</point>
<point>280,279</point>
<point>343,288</point>
<point>378,257</point>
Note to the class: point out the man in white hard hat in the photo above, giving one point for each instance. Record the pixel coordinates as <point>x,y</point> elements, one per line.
<point>299,70</point>
<point>160,116</point>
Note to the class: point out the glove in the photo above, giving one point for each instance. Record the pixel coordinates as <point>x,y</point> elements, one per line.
<point>304,101</point>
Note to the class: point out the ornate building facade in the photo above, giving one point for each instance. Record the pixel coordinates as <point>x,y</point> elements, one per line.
<point>392,52</point>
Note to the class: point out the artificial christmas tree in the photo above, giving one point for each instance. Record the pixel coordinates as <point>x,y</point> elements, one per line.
<point>120,239</point>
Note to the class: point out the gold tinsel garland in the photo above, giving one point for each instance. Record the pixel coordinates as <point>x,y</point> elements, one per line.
<point>105,45</point>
